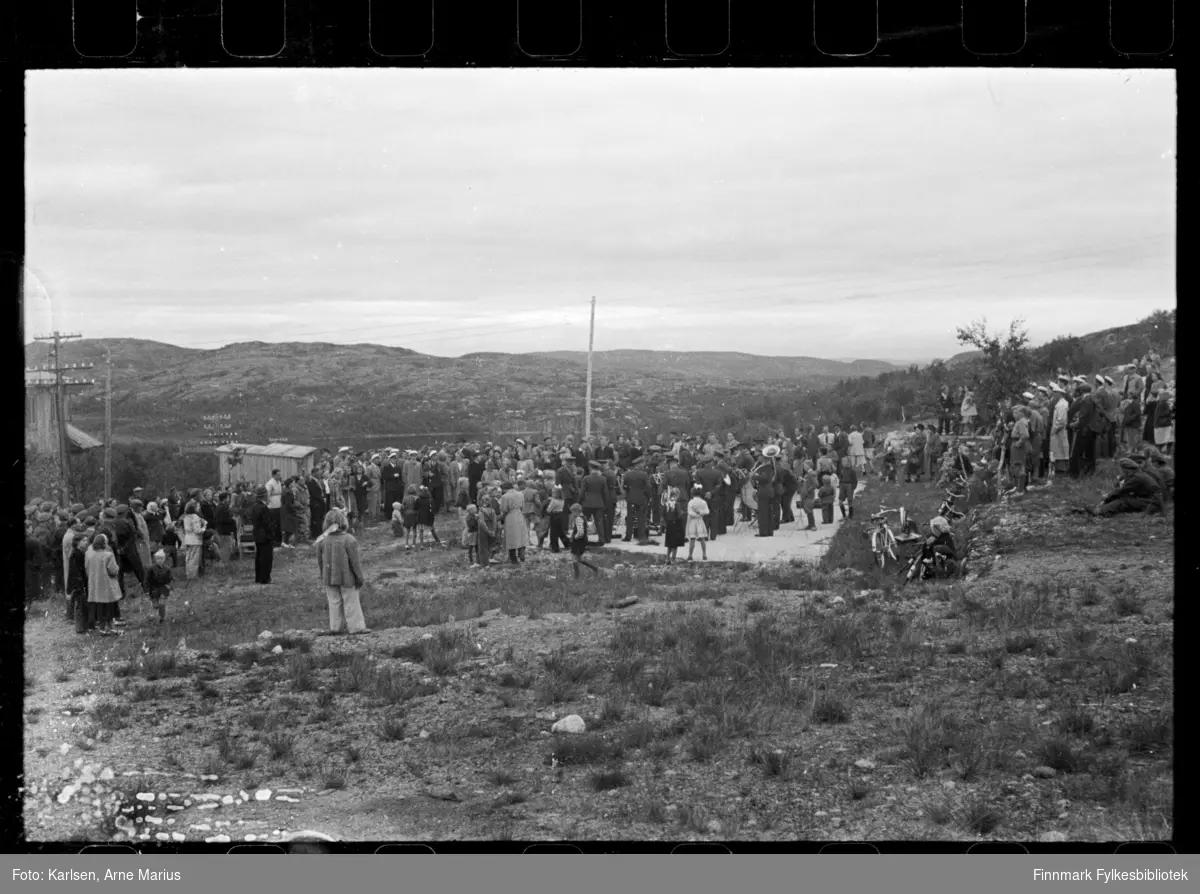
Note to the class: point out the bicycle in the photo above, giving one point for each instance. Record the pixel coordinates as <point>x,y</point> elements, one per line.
<point>883,541</point>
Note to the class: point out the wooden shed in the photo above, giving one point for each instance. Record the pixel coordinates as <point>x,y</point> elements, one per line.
<point>257,461</point>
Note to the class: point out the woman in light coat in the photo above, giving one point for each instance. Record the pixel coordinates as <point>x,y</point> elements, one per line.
<point>1060,443</point>
<point>141,531</point>
<point>516,527</point>
<point>969,412</point>
<point>193,538</point>
<point>103,589</point>
<point>341,574</point>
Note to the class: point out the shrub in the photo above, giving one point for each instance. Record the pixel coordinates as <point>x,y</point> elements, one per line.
<point>280,745</point>
<point>609,779</point>
<point>299,673</point>
<point>830,707</point>
<point>774,762</point>
<point>110,715</point>
<point>980,819</point>
<point>1056,752</point>
<point>392,729</point>
<point>585,748</point>
<point>1077,722</point>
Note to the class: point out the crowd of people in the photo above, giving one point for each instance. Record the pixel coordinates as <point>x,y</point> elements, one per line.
<point>567,494</point>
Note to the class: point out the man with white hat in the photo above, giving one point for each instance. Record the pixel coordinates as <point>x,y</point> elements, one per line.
<point>1059,434</point>
<point>411,471</point>
<point>1106,406</point>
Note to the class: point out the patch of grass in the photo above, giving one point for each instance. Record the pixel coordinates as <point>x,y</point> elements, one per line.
<point>125,669</point>
<point>227,652</point>
<point>1077,722</point>
<point>980,818</point>
<point>280,745</point>
<point>574,669</point>
<point>775,763</point>
<point>757,604</point>
<point>830,707</point>
<point>141,693</point>
<point>1057,752</point>
<point>110,715</point>
<point>627,668</point>
<point>924,733</point>
<point>299,673</point>
<point>507,799</point>
<point>299,643</point>
<point>334,776</point>
<point>159,664</point>
<point>607,780</point>
<point>640,734</point>
<point>1149,733</point>
<point>585,748</point>
<point>556,689</point>
<point>510,680</point>
<point>206,690</point>
<point>355,676</point>
<point>247,658</point>
<point>1015,645</point>
<point>705,742</point>
<point>957,647</point>
<point>393,729</point>
<point>655,811</point>
<point>1126,604</point>
<point>63,676</point>
<point>502,777</point>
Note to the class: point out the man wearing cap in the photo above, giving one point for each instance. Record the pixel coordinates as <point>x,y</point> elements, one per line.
<point>263,527</point>
<point>594,500</point>
<point>1059,434</point>
<point>1036,424</point>
<point>1137,491</point>
<point>374,476</point>
<point>1131,422</point>
<point>638,493</point>
<point>391,482</point>
<point>1106,405</point>
<point>1133,384</point>
<point>707,476</point>
<point>564,477</point>
<point>1089,422</point>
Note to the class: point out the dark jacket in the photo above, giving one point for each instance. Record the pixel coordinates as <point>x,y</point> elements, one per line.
<point>260,520</point>
<point>226,524</point>
<point>1140,484</point>
<point>77,574</point>
<point>158,581</point>
<point>565,478</point>
<point>594,494</point>
<point>637,487</point>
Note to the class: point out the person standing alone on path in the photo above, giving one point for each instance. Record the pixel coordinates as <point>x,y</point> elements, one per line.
<point>275,505</point>
<point>341,574</point>
<point>263,530</point>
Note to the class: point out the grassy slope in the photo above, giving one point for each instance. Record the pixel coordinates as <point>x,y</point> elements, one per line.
<point>709,711</point>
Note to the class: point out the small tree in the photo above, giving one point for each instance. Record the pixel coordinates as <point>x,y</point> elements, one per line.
<point>1006,359</point>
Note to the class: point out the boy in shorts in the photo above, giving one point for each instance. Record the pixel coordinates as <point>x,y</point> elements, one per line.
<point>158,584</point>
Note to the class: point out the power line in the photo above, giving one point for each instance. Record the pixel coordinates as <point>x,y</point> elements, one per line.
<point>60,402</point>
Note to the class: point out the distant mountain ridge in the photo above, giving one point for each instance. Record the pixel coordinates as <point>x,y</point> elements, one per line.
<point>733,365</point>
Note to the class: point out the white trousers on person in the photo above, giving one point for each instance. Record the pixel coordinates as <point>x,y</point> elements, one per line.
<point>193,561</point>
<point>345,609</point>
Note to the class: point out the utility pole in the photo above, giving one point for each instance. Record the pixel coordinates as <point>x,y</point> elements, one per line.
<point>108,425</point>
<point>60,406</point>
<point>587,408</point>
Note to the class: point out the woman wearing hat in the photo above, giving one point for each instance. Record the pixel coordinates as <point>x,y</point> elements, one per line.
<point>675,519</point>
<point>103,590</point>
<point>263,532</point>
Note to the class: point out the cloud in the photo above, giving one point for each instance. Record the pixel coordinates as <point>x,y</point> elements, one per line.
<point>691,200</point>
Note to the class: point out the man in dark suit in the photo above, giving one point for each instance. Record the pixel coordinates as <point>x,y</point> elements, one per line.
<point>605,451</point>
<point>565,477</point>
<point>638,493</point>
<point>594,499</point>
<point>613,482</point>
<point>392,483</point>
<point>710,479</point>
<point>675,476</point>
<point>316,505</point>
<point>264,537</point>
<point>788,484</point>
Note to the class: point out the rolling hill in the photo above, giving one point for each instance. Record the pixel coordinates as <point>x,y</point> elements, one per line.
<point>320,393</point>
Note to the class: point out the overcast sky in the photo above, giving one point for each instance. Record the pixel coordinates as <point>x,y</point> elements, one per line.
<point>840,214</point>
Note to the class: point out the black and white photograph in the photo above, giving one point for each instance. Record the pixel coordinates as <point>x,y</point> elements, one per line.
<point>547,454</point>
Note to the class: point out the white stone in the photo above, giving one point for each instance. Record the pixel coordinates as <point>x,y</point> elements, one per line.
<point>865,764</point>
<point>106,773</point>
<point>174,807</point>
<point>67,793</point>
<point>572,723</point>
<point>216,839</point>
<point>250,836</point>
<point>288,799</point>
<point>227,799</point>
<point>427,636</point>
<point>263,794</point>
<point>155,820</point>
<point>290,791</point>
<point>162,796</point>
<point>1052,837</point>
<point>201,827</point>
<point>208,805</point>
<point>1130,640</point>
<point>170,822</point>
<point>266,634</point>
<point>210,777</point>
<point>78,763</point>
<point>208,796</point>
<point>244,795</point>
<point>178,836</point>
<point>64,747</point>
<point>424,734</point>
<point>162,836</point>
<point>278,650</point>
<point>145,796</point>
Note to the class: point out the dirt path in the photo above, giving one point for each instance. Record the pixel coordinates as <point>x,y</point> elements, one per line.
<point>740,543</point>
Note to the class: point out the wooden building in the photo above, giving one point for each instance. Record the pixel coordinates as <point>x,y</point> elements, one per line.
<point>41,418</point>
<point>257,461</point>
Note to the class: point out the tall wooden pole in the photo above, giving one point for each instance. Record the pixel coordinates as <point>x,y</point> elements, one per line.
<point>108,425</point>
<point>60,407</point>
<point>587,408</point>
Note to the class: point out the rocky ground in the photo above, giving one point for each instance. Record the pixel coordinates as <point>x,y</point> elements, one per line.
<point>719,700</point>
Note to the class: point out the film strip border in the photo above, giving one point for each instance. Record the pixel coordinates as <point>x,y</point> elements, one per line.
<point>1116,33</point>
<point>315,845</point>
